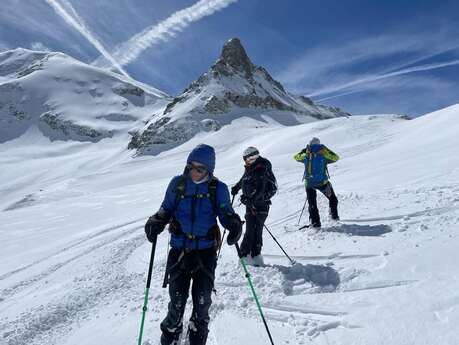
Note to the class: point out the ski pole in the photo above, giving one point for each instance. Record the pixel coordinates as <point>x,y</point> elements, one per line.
<point>147,289</point>
<point>302,210</point>
<point>224,233</point>
<point>275,240</point>
<point>293,262</point>
<point>247,274</point>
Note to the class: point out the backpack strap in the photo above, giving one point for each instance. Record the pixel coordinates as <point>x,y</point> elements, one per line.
<point>180,190</point>
<point>309,167</point>
<point>211,195</point>
<point>212,186</point>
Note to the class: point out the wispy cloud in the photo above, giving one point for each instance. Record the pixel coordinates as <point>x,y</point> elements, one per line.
<point>336,71</point>
<point>66,11</point>
<point>129,51</point>
<point>373,78</point>
<point>39,46</point>
<point>402,94</point>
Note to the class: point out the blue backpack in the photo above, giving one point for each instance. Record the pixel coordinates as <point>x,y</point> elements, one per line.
<point>315,172</point>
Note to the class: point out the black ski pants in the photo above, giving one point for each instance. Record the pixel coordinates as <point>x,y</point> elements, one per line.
<point>253,236</point>
<point>197,266</point>
<point>311,194</point>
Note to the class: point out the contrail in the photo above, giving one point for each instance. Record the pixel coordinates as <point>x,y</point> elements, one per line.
<point>165,30</point>
<point>426,67</point>
<point>77,23</point>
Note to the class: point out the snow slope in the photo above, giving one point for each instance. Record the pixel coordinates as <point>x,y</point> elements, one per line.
<point>69,100</point>
<point>74,258</point>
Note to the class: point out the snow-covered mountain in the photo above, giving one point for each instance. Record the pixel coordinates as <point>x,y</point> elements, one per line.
<point>233,87</point>
<point>74,256</point>
<point>69,100</point>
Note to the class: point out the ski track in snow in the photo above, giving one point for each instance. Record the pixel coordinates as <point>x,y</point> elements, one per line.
<point>335,256</point>
<point>18,287</point>
<point>68,247</point>
<point>47,323</point>
<point>430,212</point>
<point>380,285</point>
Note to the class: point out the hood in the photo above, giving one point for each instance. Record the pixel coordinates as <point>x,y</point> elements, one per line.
<point>203,154</point>
<point>315,148</point>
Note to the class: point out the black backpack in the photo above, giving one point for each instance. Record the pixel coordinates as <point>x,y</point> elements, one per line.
<point>271,182</point>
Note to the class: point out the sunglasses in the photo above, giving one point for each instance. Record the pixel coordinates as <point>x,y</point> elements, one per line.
<point>201,169</point>
<point>250,159</point>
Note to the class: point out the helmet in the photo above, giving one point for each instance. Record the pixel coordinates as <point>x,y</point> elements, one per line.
<point>314,141</point>
<point>249,152</point>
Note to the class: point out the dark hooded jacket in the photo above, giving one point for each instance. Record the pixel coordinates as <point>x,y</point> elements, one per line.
<point>254,183</point>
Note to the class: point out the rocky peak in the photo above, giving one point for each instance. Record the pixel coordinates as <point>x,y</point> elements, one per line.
<point>234,56</point>
<point>232,88</point>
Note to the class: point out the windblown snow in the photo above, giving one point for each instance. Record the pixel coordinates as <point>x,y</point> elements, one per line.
<point>74,256</point>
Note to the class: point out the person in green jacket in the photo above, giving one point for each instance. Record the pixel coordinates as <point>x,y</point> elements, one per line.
<point>315,158</point>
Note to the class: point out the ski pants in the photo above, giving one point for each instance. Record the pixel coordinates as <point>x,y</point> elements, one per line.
<point>183,267</point>
<point>311,194</point>
<point>253,236</point>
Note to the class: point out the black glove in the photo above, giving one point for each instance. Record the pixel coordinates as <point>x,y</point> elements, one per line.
<point>305,149</point>
<point>234,190</point>
<point>234,226</point>
<point>246,200</point>
<point>156,224</point>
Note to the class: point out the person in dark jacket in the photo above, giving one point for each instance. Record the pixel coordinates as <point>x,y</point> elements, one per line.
<point>191,206</point>
<point>315,158</point>
<point>258,185</point>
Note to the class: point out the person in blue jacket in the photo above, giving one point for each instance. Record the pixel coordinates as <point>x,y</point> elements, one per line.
<point>316,158</point>
<point>191,206</point>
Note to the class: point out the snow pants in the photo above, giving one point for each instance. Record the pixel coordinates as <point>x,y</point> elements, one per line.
<point>311,194</point>
<point>183,267</point>
<point>253,236</point>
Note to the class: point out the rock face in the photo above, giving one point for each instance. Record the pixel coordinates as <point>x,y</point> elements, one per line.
<point>67,99</point>
<point>233,87</point>
<point>53,126</point>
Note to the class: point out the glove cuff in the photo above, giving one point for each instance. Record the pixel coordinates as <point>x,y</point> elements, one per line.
<point>162,215</point>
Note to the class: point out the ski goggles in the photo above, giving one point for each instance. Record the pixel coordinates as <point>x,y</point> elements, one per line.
<point>250,159</point>
<point>254,153</point>
<point>200,169</point>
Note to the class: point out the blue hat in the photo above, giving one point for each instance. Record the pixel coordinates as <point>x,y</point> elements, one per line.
<point>203,154</point>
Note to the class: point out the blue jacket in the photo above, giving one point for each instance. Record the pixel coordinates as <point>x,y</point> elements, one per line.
<point>315,158</point>
<point>204,217</point>
<point>196,214</point>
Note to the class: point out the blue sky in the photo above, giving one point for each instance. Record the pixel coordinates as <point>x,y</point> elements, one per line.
<point>364,56</point>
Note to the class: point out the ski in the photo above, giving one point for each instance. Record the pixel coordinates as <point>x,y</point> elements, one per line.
<point>294,228</point>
